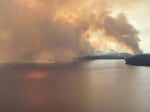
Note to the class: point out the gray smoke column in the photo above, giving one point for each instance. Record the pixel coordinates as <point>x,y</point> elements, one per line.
<point>46,30</point>
<point>123,32</point>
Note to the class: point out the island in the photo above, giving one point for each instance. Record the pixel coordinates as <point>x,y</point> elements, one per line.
<point>139,60</point>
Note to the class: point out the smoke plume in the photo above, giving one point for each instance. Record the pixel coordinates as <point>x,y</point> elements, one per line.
<point>45,30</point>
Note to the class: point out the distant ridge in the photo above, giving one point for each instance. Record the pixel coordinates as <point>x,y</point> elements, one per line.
<point>106,56</point>
<point>139,60</point>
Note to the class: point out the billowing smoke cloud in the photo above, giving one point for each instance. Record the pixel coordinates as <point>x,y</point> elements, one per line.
<point>45,30</point>
<point>123,32</point>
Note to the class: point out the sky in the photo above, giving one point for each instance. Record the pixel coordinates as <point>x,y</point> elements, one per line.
<point>46,30</point>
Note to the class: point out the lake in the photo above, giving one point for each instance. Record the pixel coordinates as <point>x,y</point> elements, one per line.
<point>86,86</point>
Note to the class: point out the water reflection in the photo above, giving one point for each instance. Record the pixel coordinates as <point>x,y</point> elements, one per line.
<point>90,86</point>
<point>36,75</point>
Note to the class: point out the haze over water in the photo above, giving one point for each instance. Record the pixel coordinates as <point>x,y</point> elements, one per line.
<point>88,86</point>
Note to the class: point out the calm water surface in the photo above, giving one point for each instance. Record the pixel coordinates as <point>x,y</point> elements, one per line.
<point>89,86</point>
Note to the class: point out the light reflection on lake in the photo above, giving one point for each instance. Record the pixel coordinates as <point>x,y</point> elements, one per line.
<point>87,86</point>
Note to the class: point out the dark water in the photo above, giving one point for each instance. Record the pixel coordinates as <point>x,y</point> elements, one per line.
<point>91,86</point>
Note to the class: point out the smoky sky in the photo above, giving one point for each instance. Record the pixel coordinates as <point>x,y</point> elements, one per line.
<point>44,30</point>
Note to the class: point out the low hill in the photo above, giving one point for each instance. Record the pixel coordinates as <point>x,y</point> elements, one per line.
<point>139,60</point>
<point>106,56</point>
